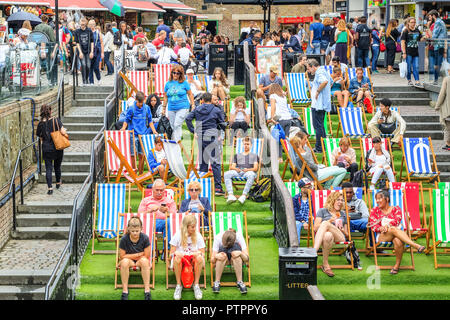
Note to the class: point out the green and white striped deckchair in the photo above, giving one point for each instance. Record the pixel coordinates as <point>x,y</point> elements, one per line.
<point>292,188</point>
<point>440,224</point>
<point>328,146</point>
<point>443,185</point>
<point>222,221</point>
<point>307,120</point>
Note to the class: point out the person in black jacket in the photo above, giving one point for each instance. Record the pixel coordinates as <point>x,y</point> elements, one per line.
<point>52,157</point>
<point>291,44</point>
<point>208,121</point>
<point>122,37</point>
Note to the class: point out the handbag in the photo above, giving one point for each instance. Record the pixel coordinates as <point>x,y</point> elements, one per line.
<point>60,140</point>
<point>382,47</point>
<point>164,127</point>
<point>387,128</point>
<point>187,272</point>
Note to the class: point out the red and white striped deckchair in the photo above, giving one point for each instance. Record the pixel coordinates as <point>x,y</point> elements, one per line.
<point>148,228</point>
<point>122,140</point>
<point>140,79</point>
<point>159,78</point>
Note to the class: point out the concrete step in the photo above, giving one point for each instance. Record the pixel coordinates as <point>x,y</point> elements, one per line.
<point>17,277</point>
<point>394,88</point>
<point>403,94</point>
<point>423,125</point>
<point>67,177</point>
<point>89,103</point>
<point>77,157</point>
<point>421,117</point>
<point>53,233</point>
<point>83,119</point>
<point>81,135</point>
<point>435,134</point>
<point>91,95</point>
<point>445,176</point>
<point>75,166</point>
<point>441,156</point>
<point>25,292</point>
<point>44,208</point>
<point>444,166</point>
<point>93,89</point>
<point>406,101</point>
<point>43,220</point>
<point>74,126</point>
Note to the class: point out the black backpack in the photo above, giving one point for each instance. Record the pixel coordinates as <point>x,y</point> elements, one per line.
<point>164,127</point>
<point>260,192</point>
<point>360,179</point>
<point>352,251</point>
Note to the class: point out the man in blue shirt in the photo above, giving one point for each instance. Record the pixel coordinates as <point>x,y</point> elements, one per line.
<point>440,49</point>
<point>321,99</point>
<point>162,26</point>
<point>301,206</point>
<point>360,86</point>
<point>139,119</point>
<point>266,81</point>
<point>316,30</point>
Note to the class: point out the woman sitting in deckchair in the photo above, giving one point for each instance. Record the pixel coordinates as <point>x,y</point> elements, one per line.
<point>195,203</point>
<point>158,159</point>
<point>329,227</point>
<point>319,171</point>
<point>386,221</point>
<point>338,87</point>
<point>135,251</point>
<point>189,243</point>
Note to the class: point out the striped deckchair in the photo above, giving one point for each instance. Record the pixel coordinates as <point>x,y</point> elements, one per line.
<point>160,76</point>
<point>176,222</point>
<point>352,73</point>
<point>208,85</point>
<point>140,80</point>
<point>298,88</point>
<point>317,200</point>
<point>397,200</point>
<point>148,143</point>
<point>238,147</point>
<point>123,106</point>
<point>388,135</point>
<point>207,185</point>
<point>377,109</point>
<point>308,121</point>
<point>222,221</point>
<point>440,224</point>
<point>416,154</point>
<point>248,110</point>
<point>293,188</point>
<point>290,160</point>
<point>413,195</point>
<point>351,122</point>
<point>360,193</point>
<point>443,185</point>
<point>148,228</point>
<point>258,78</point>
<point>169,193</point>
<point>367,145</point>
<point>328,146</point>
<point>109,201</point>
<point>122,141</point>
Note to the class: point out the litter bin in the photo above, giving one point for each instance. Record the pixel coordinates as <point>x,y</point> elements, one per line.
<point>218,57</point>
<point>297,270</point>
<point>319,57</point>
<point>238,64</point>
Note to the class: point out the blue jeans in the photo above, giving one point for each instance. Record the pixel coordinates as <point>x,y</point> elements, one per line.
<point>375,54</point>
<point>315,49</point>
<point>95,67</point>
<point>359,225</point>
<point>412,63</point>
<point>299,229</point>
<point>438,57</point>
<point>136,145</point>
<point>431,62</point>
<point>109,65</point>
<point>363,58</point>
<point>160,226</point>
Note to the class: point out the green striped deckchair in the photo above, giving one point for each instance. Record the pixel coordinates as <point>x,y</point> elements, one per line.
<point>292,188</point>
<point>443,185</point>
<point>440,224</point>
<point>328,146</point>
<point>222,221</point>
<point>308,122</point>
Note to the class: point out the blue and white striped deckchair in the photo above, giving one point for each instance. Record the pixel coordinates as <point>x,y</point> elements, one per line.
<point>207,185</point>
<point>208,80</point>
<point>351,121</point>
<point>111,201</point>
<point>298,88</point>
<point>352,73</point>
<point>148,143</point>
<point>388,135</point>
<point>391,108</point>
<point>258,78</point>
<point>257,148</point>
<point>359,192</point>
<point>417,153</point>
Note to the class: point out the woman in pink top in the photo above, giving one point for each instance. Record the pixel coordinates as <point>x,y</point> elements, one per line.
<point>386,221</point>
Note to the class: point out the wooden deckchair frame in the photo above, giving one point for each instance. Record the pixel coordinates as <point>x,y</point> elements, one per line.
<point>95,234</point>
<point>247,264</point>
<point>137,180</point>
<point>409,177</point>
<point>108,175</point>
<point>152,258</point>
<point>166,254</point>
<point>129,84</point>
<point>436,245</point>
<point>148,164</point>
<point>372,250</point>
<point>363,118</point>
<point>289,162</point>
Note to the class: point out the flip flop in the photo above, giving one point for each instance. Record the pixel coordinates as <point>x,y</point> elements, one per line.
<point>421,249</point>
<point>394,271</point>
<point>328,271</point>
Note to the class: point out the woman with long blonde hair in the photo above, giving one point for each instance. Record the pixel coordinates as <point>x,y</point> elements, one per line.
<point>188,244</point>
<point>219,85</point>
<point>342,37</point>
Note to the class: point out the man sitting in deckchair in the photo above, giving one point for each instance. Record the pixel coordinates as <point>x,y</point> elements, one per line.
<point>229,248</point>
<point>361,88</point>
<point>244,165</point>
<point>139,119</point>
<point>157,158</point>
<point>357,209</point>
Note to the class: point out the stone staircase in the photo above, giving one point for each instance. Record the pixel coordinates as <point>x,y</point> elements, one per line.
<point>402,95</point>
<point>43,221</point>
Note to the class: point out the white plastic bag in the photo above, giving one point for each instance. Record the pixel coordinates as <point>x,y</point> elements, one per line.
<point>403,69</point>
<point>445,68</point>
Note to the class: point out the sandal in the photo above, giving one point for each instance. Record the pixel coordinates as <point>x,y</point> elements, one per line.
<point>328,271</point>
<point>394,271</point>
<point>421,249</point>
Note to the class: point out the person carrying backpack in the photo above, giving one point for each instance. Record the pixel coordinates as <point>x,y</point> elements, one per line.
<point>363,39</point>
<point>139,119</point>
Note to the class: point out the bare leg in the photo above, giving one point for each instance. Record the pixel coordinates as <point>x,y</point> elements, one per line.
<point>125,266</point>
<point>221,260</point>
<point>338,94</point>
<point>177,269</point>
<point>237,264</point>
<point>198,265</point>
<point>327,227</point>
<point>398,247</point>
<point>400,234</point>
<point>328,241</point>
<point>346,98</point>
<point>145,266</point>
<point>221,94</point>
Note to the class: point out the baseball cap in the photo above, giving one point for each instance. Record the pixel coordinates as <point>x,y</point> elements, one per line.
<point>274,69</point>
<point>190,71</point>
<point>304,182</point>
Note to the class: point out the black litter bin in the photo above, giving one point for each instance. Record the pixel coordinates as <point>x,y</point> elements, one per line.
<point>298,270</point>
<point>319,57</point>
<point>218,57</point>
<point>239,64</point>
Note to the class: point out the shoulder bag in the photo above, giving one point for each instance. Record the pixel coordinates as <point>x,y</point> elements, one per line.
<point>60,139</point>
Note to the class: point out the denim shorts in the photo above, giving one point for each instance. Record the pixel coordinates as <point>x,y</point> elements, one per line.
<point>324,44</point>
<point>136,143</point>
<point>228,251</point>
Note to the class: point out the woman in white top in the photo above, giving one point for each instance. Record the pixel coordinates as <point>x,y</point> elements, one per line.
<point>268,40</point>
<point>379,161</point>
<point>141,55</point>
<point>279,110</point>
<point>109,47</point>
<point>187,242</point>
<point>219,86</point>
<point>166,54</point>
<point>239,118</point>
<point>196,86</point>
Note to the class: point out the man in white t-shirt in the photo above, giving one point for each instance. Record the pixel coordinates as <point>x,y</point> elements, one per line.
<point>229,247</point>
<point>184,54</point>
<point>196,86</point>
<point>166,54</point>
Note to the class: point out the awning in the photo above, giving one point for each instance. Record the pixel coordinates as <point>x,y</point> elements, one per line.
<point>141,6</point>
<point>85,5</point>
<point>173,5</point>
<point>197,15</point>
<point>26,2</point>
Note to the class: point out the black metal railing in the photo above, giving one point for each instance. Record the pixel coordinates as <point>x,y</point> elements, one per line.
<point>74,71</point>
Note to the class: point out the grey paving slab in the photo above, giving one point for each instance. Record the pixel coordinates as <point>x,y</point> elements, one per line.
<point>62,196</point>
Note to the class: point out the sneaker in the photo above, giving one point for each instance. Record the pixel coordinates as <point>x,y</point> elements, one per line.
<point>418,85</point>
<point>219,192</point>
<point>198,292</point>
<point>410,83</point>
<point>147,296</point>
<point>177,293</point>
<point>435,83</point>
<point>446,147</point>
<point>124,296</point>
<point>231,199</point>
<point>241,287</point>
<point>242,199</point>
<point>216,287</point>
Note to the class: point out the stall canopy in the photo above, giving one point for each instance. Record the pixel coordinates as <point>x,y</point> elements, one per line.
<point>142,6</point>
<point>173,5</point>
<point>26,2</point>
<point>88,5</point>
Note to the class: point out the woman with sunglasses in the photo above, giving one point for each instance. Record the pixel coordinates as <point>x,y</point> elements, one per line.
<point>178,98</point>
<point>195,203</point>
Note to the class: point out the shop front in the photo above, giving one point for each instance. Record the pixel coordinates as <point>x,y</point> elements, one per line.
<point>293,22</point>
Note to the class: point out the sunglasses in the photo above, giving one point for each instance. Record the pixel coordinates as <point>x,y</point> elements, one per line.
<point>176,72</point>
<point>194,190</point>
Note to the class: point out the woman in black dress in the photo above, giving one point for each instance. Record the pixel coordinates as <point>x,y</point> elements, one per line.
<point>392,35</point>
<point>52,157</point>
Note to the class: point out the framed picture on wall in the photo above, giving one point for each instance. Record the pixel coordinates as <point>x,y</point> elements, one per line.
<point>267,57</point>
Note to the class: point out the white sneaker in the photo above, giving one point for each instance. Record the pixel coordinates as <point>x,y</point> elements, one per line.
<point>198,292</point>
<point>242,199</point>
<point>231,199</point>
<point>177,294</point>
